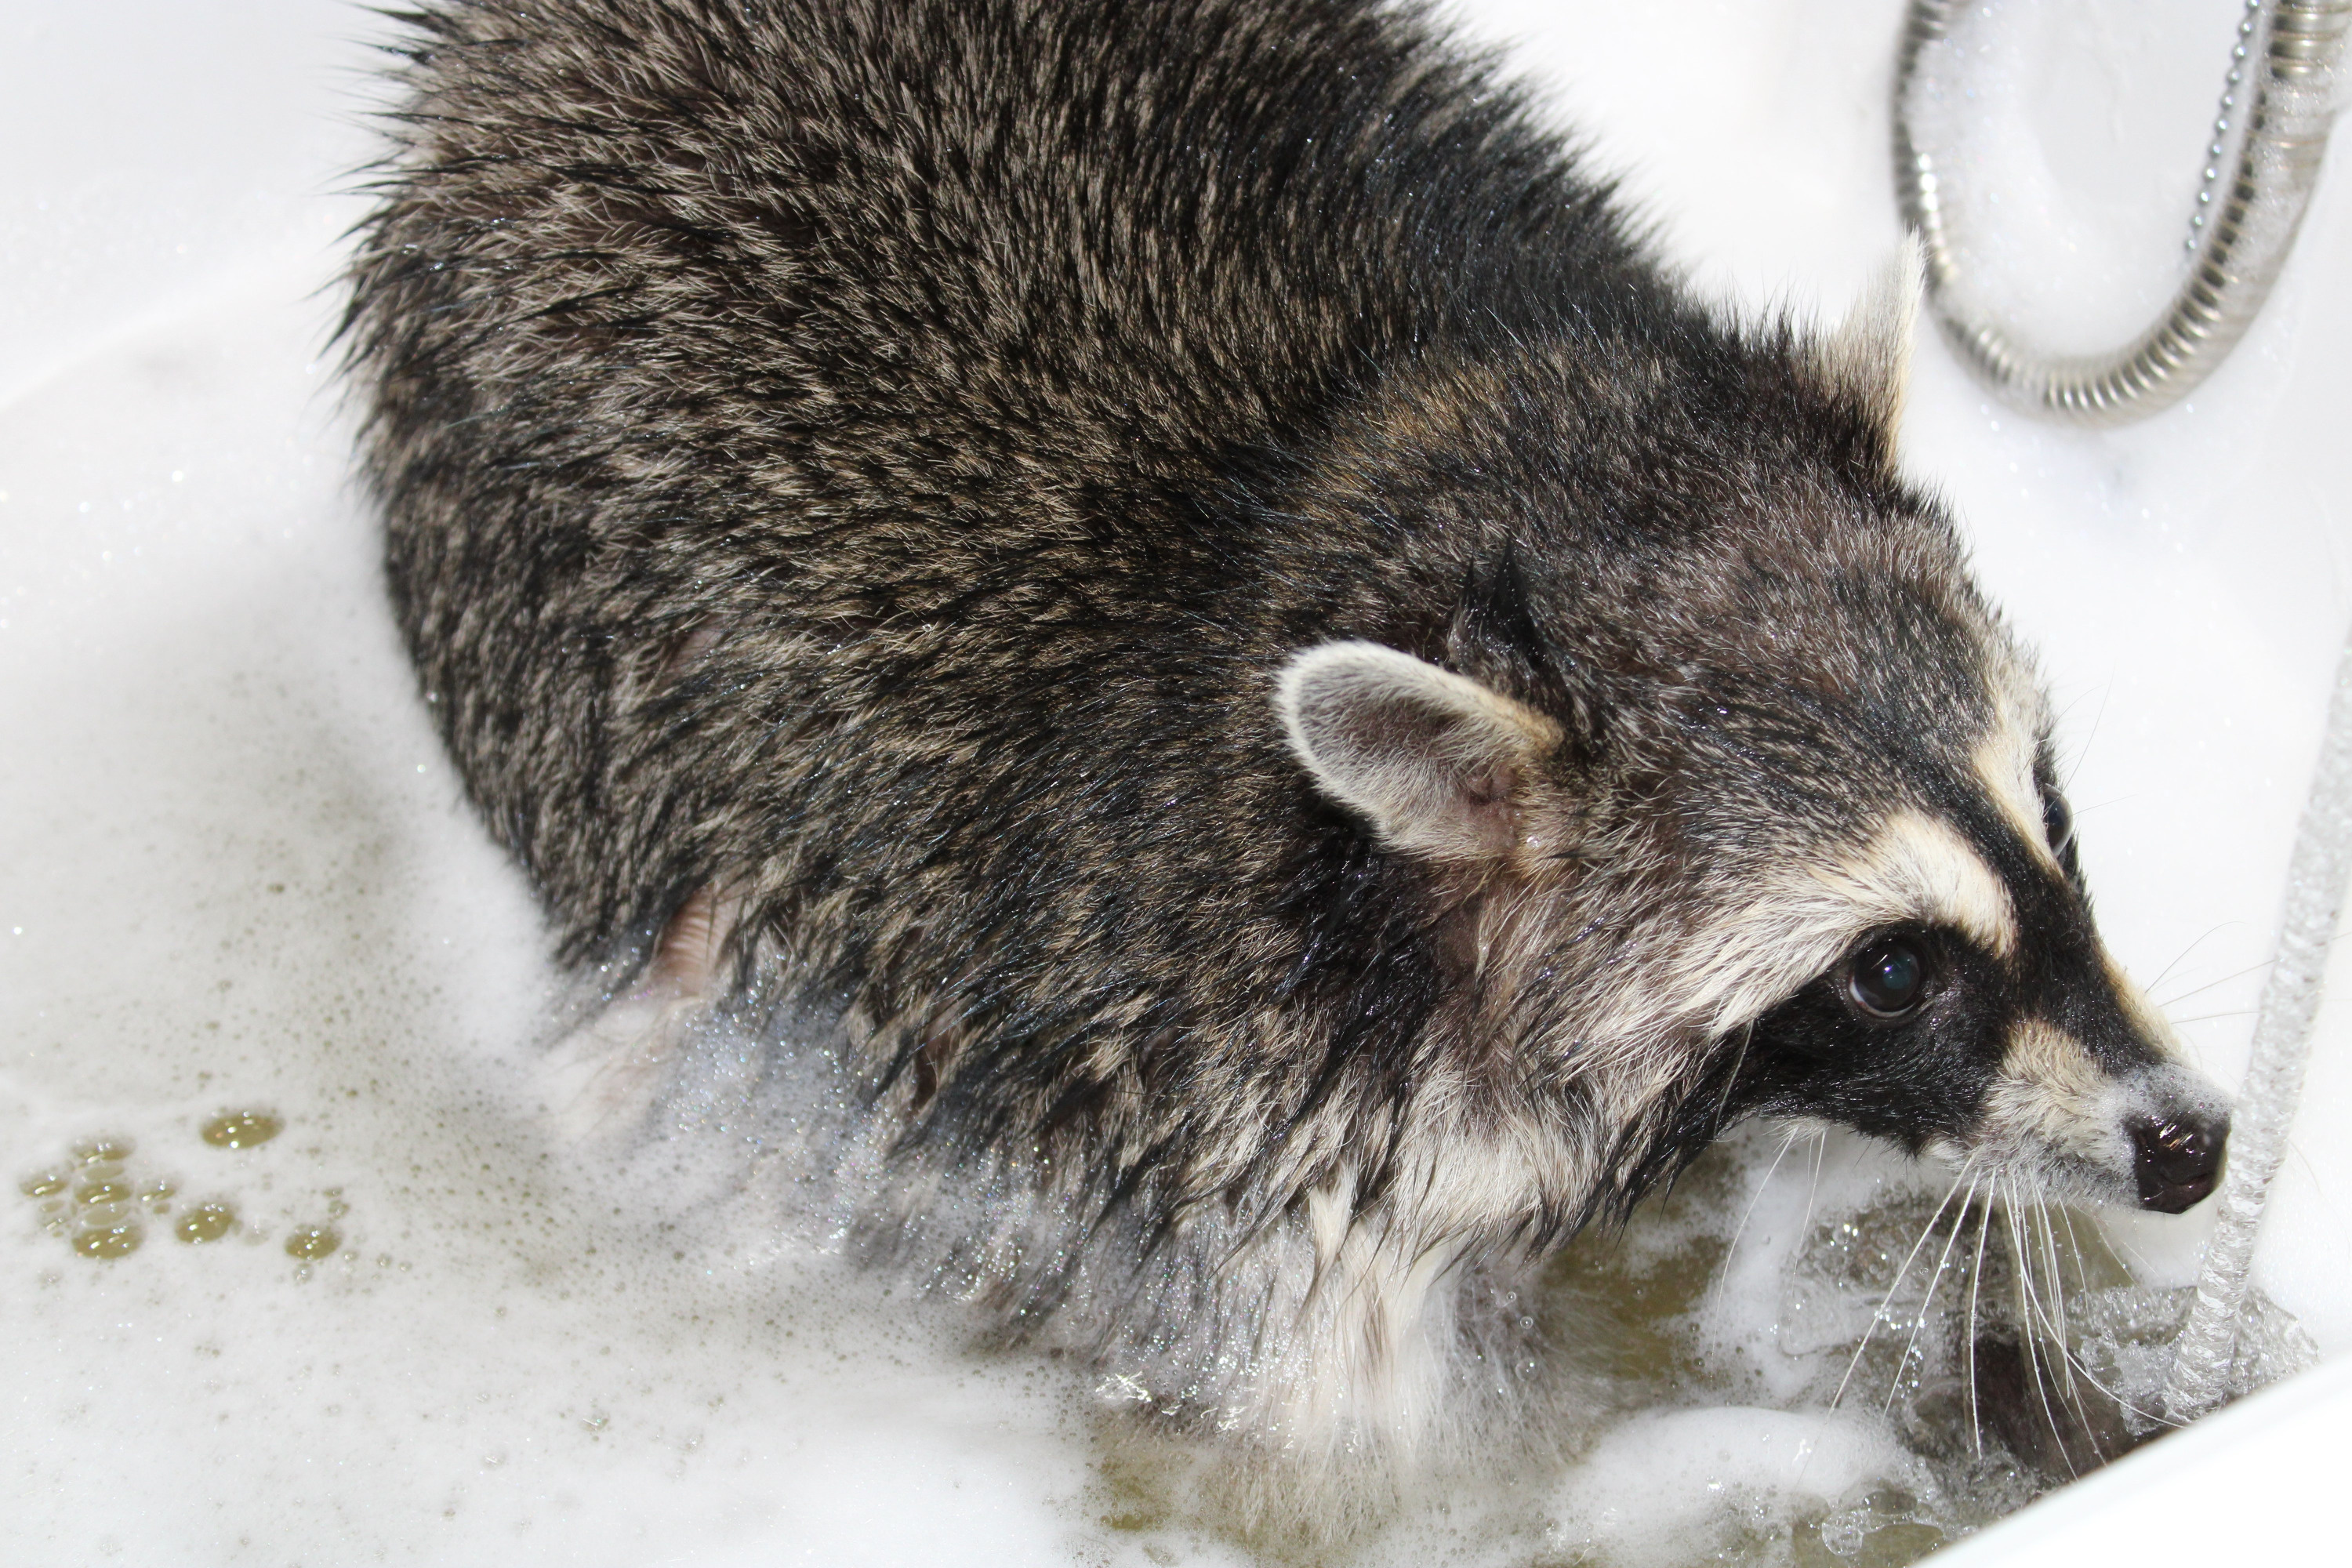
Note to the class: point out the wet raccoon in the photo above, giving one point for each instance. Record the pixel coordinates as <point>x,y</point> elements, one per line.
<point>1160,603</point>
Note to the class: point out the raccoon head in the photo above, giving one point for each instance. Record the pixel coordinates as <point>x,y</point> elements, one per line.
<point>1920,964</point>
<point>1751,808</point>
<point>1978,1017</point>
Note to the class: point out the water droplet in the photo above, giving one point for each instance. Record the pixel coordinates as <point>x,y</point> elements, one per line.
<point>242,1129</point>
<point>205,1222</point>
<point>102,1151</point>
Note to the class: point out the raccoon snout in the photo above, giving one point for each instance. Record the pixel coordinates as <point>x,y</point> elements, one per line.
<point>2177,1159</point>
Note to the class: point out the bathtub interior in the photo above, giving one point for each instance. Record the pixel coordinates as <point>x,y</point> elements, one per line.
<point>239,875</point>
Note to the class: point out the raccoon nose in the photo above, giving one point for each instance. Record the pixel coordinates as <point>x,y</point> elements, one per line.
<point>2176,1158</point>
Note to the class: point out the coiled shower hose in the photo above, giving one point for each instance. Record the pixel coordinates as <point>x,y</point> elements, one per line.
<point>2245,227</point>
<point>2290,50</point>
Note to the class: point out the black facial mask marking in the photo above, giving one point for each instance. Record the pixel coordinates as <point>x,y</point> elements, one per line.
<point>1892,1040</point>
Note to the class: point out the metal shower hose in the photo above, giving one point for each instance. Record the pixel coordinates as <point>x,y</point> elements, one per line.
<point>2249,213</point>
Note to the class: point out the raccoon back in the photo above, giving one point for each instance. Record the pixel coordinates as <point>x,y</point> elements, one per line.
<point>833,454</point>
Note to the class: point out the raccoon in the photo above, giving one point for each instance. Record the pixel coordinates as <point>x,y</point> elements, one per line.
<point>1172,593</point>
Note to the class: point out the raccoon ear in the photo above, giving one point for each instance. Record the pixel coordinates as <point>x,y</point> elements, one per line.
<point>1436,762</point>
<point>1868,357</point>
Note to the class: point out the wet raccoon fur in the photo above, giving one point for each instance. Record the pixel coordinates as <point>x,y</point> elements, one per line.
<point>1243,711</point>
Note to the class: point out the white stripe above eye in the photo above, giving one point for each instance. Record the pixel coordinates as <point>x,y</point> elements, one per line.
<point>1920,869</point>
<point>1917,870</point>
<point>2004,766</point>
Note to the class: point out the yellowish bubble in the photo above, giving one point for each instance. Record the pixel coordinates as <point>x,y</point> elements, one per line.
<point>46,1184</point>
<point>105,1189</point>
<point>111,1239</point>
<point>313,1241</point>
<point>205,1222</point>
<point>102,1151</point>
<point>241,1129</point>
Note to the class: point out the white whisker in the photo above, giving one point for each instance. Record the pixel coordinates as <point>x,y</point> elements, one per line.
<point>2171,1002</point>
<point>2184,953</point>
<point>1908,1259</point>
<point>2104,692</point>
<point>2250,968</point>
<point>1976,1283</point>
<point>2074,1242</point>
<point>2025,1307</point>
<point>2060,1336</point>
<point>1723,1275</point>
<point>1919,1319</point>
<point>2082,1368</point>
<point>1821,1153</point>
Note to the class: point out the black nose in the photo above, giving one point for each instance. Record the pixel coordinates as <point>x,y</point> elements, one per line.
<point>2178,1159</point>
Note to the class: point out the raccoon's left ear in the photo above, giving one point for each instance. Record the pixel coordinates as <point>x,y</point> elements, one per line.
<point>1438,763</point>
<point>1868,357</point>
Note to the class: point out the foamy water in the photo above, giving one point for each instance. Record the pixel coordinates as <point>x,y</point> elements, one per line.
<point>239,875</point>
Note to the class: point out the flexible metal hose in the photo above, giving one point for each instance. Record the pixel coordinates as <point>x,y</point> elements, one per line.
<point>2316,875</point>
<point>2245,226</point>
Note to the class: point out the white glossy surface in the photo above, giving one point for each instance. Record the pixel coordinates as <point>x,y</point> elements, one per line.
<point>235,867</point>
<point>2249,1484</point>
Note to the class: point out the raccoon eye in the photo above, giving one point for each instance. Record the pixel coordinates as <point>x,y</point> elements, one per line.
<point>1888,979</point>
<point>2058,827</point>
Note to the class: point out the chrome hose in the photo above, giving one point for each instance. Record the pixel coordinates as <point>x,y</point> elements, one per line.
<point>2244,227</point>
<point>2316,877</point>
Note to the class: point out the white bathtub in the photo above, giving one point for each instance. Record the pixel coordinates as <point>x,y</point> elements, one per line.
<point>236,866</point>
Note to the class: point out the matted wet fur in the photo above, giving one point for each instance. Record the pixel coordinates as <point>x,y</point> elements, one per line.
<point>1163,604</point>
